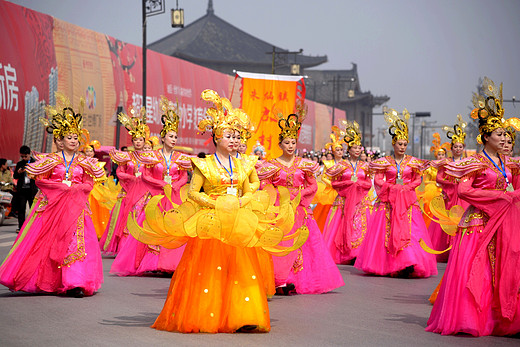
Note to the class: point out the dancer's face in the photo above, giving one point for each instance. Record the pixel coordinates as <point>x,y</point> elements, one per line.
<point>440,155</point>
<point>457,149</point>
<point>227,141</point>
<point>496,140</point>
<point>355,151</point>
<point>400,147</point>
<point>508,146</point>
<point>138,143</point>
<point>288,146</point>
<point>70,142</point>
<point>170,139</point>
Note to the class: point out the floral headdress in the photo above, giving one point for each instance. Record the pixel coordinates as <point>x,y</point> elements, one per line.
<point>437,146</point>
<point>61,119</point>
<point>398,126</point>
<point>220,117</point>
<point>290,126</point>
<point>457,134</point>
<point>169,118</point>
<point>336,138</point>
<point>85,142</point>
<point>135,123</point>
<point>352,134</point>
<point>488,110</point>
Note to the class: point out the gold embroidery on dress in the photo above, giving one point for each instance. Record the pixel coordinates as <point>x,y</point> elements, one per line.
<point>80,243</point>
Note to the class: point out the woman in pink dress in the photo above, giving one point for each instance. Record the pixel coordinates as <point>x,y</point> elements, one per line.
<point>480,289</point>
<point>457,135</point>
<point>509,145</point>
<point>166,172</point>
<point>59,253</point>
<point>133,189</point>
<point>351,209</point>
<point>391,245</point>
<point>311,268</point>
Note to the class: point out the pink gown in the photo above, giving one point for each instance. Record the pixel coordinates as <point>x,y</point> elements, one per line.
<point>480,288</point>
<point>133,190</point>
<point>311,268</point>
<point>395,227</point>
<point>136,258</point>
<point>440,240</point>
<point>57,250</point>
<point>351,209</point>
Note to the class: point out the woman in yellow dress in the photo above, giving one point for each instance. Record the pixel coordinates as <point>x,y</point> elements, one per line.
<point>218,284</point>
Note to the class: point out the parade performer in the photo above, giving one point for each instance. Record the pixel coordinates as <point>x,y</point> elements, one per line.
<point>326,195</point>
<point>100,214</point>
<point>310,269</point>
<point>391,245</point>
<point>218,284</point>
<point>166,172</point>
<point>509,145</point>
<point>479,291</point>
<point>129,172</point>
<point>351,209</point>
<point>431,190</point>
<point>251,163</point>
<point>58,253</point>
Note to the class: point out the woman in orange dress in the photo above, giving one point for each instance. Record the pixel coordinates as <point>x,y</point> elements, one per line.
<point>218,285</point>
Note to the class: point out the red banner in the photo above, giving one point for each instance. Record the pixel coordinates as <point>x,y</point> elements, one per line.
<point>27,68</point>
<point>41,54</point>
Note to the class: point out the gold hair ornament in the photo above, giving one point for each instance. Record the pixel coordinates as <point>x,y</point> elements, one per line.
<point>169,118</point>
<point>398,126</point>
<point>61,119</point>
<point>135,123</point>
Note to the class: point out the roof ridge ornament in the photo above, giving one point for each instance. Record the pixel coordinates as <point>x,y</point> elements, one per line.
<point>210,7</point>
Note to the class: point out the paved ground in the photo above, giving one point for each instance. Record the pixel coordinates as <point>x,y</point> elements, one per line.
<point>368,311</point>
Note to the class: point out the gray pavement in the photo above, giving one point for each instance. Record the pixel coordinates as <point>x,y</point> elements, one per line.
<point>367,311</point>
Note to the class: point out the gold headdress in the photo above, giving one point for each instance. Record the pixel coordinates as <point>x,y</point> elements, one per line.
<point>243,124</point>
<point>170,118</point>
<point>398,127</point>
<point>153,141</point>
<point>61,119</point>
<point>135,123</point>
<point>290,126</point>
<point>457,134</point>
<point>352,134</point>
<point>488,110</point>
<point>85,142</point>
<point>220,117</point>
<point>511,125</point>
<point>336,138</point>
<point>437,147</point>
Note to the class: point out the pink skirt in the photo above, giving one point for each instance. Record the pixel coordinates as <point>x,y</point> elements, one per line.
<point>314,271</point>
<point>136,258</point>
<point>336,225</point>
<point>85,273</point>
<point>373,257</point>
<point>455,310</point>
<point>440,241</point>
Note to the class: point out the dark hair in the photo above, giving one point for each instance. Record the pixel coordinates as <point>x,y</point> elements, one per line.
<point>201,155</point>
<point>485,134</point>
<point>3,161</point>
<point>123,148</point>
<point>214,141</point>
<point>25,150</point>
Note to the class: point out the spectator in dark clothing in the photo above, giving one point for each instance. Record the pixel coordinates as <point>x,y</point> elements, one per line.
<point>25,187</point>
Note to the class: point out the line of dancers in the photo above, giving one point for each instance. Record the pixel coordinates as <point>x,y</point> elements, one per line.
<point>235,230</point>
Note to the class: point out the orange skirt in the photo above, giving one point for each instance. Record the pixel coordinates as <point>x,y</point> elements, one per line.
<point>217,288</point>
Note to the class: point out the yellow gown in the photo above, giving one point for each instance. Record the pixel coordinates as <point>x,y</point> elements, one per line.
<point>324,197</point>
<point>218,285</point>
